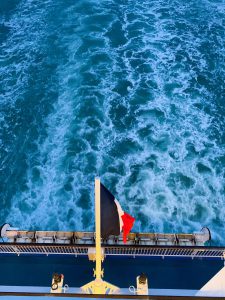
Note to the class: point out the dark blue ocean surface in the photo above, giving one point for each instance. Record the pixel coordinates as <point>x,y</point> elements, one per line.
<point>132,91</point>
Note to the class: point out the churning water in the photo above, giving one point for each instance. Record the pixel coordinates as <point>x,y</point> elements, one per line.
<point>129,90</point>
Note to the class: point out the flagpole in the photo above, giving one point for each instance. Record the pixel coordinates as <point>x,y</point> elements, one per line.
<point>98,262</point>
<point>98,286</point>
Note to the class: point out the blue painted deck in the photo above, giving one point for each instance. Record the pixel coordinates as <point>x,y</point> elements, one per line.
<point>167,273</point>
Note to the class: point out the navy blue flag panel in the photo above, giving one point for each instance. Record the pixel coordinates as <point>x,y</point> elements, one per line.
<point>110,223</point>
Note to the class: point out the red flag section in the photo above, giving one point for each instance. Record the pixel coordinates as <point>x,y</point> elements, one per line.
<point>128,222</point>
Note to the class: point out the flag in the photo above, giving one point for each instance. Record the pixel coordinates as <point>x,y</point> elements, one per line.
<point>113,218</point>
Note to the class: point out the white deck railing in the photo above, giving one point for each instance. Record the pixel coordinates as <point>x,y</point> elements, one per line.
<point>161,251</point>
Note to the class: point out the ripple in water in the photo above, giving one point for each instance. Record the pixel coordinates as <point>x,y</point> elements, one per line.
<point>131,92</point>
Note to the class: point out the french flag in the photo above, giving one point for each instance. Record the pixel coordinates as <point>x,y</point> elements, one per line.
<point>113,218</point>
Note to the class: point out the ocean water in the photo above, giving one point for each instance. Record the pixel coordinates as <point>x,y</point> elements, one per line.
<point>131,91</point>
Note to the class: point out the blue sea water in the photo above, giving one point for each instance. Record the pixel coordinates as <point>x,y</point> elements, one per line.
<point>132,91</point>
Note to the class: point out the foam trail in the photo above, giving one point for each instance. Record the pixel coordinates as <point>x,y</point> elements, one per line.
<point>139,103</point>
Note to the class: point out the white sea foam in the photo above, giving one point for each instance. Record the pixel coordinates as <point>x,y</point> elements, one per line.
<point>133,113</point>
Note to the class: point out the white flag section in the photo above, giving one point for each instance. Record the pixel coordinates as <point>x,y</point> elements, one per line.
<point>215,286</point>
<point>120,213</point>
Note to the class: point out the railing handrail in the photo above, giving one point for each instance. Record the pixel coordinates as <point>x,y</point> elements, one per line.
<point>162,251</point>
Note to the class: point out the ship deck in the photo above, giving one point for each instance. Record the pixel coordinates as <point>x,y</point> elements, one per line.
<point>172,275</point>
<point>175,264</point>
